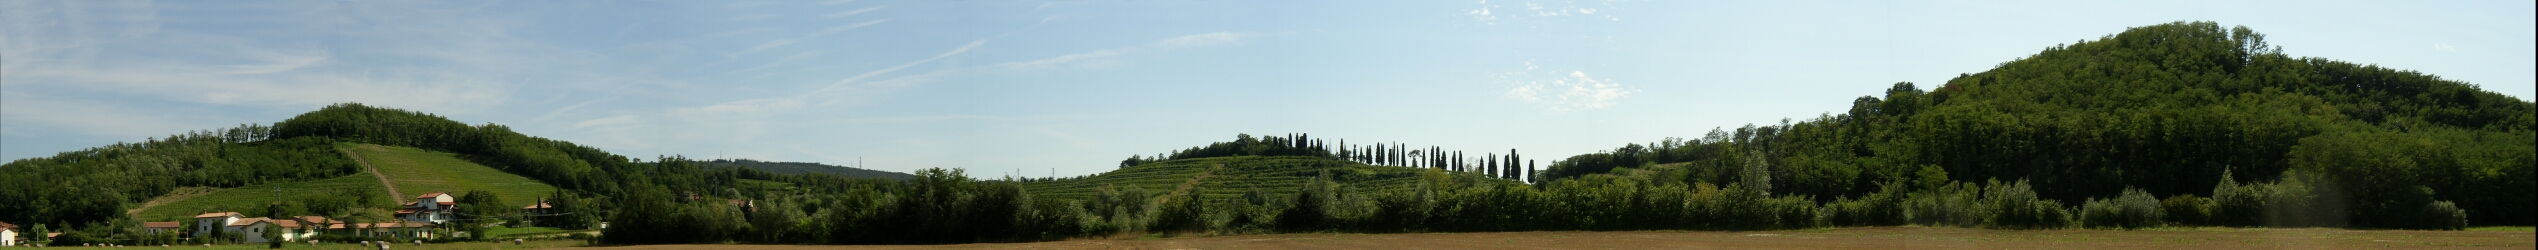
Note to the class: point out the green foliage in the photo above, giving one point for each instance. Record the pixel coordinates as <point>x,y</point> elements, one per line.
<point>1884,208</point>
<point>2134,209</point>
<point>476,208</point>
<point>2186,210</point>
<point>2014,205</point>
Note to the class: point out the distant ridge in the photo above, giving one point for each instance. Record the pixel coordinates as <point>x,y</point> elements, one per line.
<point>809,167</point>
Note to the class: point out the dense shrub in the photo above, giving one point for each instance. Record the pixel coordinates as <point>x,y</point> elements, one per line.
<point>2014,205</point>
<point>2133,209</point>
<point>2186,209</point>
<point>1955,204</point>
<point>1884,208</point>
<point>2442,215</point>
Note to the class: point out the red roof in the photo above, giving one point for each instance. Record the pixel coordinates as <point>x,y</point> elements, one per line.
<point>7,226</point>
<point>319,220</point>
<point>408,211</point>
<point>161,224</point>
<point>246,221</point>
<point>400,224</point>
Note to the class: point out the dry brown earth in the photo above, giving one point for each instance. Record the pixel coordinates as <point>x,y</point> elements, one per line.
<point>1845,238</point>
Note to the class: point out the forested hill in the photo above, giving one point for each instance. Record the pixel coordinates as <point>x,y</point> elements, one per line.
<point>2166,108</point>
<point>808,167</point>
<point>91,188</point>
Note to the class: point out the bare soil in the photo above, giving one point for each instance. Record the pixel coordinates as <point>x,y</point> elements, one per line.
<point>1843,238</point>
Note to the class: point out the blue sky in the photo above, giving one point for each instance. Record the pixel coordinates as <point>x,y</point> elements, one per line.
<point>1071,87</point>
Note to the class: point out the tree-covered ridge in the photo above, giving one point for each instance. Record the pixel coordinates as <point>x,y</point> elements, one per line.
<point>2164,108</point>
<point>1510,166</point>
<point>98,184</point>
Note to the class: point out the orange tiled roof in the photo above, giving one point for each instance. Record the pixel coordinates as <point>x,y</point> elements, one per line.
<point>246,221</point>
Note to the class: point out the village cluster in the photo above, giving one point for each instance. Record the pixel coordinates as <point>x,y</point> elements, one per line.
<point>417,220</point>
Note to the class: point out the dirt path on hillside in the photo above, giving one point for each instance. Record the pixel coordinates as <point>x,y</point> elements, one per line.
<point>1842,238</point>
<point>1195,180</point>
<point>393,195</point>
<point>180,194</point>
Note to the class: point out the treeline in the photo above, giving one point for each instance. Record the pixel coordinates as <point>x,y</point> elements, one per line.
<point>2165,109</point>
<point>1509,166</point>
<point>942,206</point>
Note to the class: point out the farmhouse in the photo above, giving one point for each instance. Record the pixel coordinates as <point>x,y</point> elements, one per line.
<point>435,208</point>
<point>208,223</point>
<point>160,227</point>
<point>253,229</point>
<point>396,229</point>
<point>8,234</point>
<point>540,208</point>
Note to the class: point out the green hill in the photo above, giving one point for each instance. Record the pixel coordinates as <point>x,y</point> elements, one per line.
<point>2167,109</point>
<point>808,167</point>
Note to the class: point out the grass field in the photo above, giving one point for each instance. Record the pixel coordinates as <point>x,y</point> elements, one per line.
<point>1232,176</point>
<point>1842,238</point>
<point>417,171</point>
<point>183,208</point>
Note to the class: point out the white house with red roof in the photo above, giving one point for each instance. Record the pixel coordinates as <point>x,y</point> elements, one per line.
<point>208,223</point>
<point>435,207</point>
<point>8,234</point>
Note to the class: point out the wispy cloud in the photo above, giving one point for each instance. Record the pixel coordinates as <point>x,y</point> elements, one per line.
<point>1562,92</point>
<point>612,120</point>
<point>1105,57</point>
<point>1202,40</point>
<point>772,44</point>
<point>1488,13</point>
<point>2444,47</point>
<point>852,12</point>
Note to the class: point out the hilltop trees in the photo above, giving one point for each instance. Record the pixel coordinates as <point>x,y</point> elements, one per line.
<point>2164,109</point>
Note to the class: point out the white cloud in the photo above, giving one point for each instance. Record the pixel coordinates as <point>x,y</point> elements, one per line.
<point>2444,47</point>
<point>1557,92</point>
